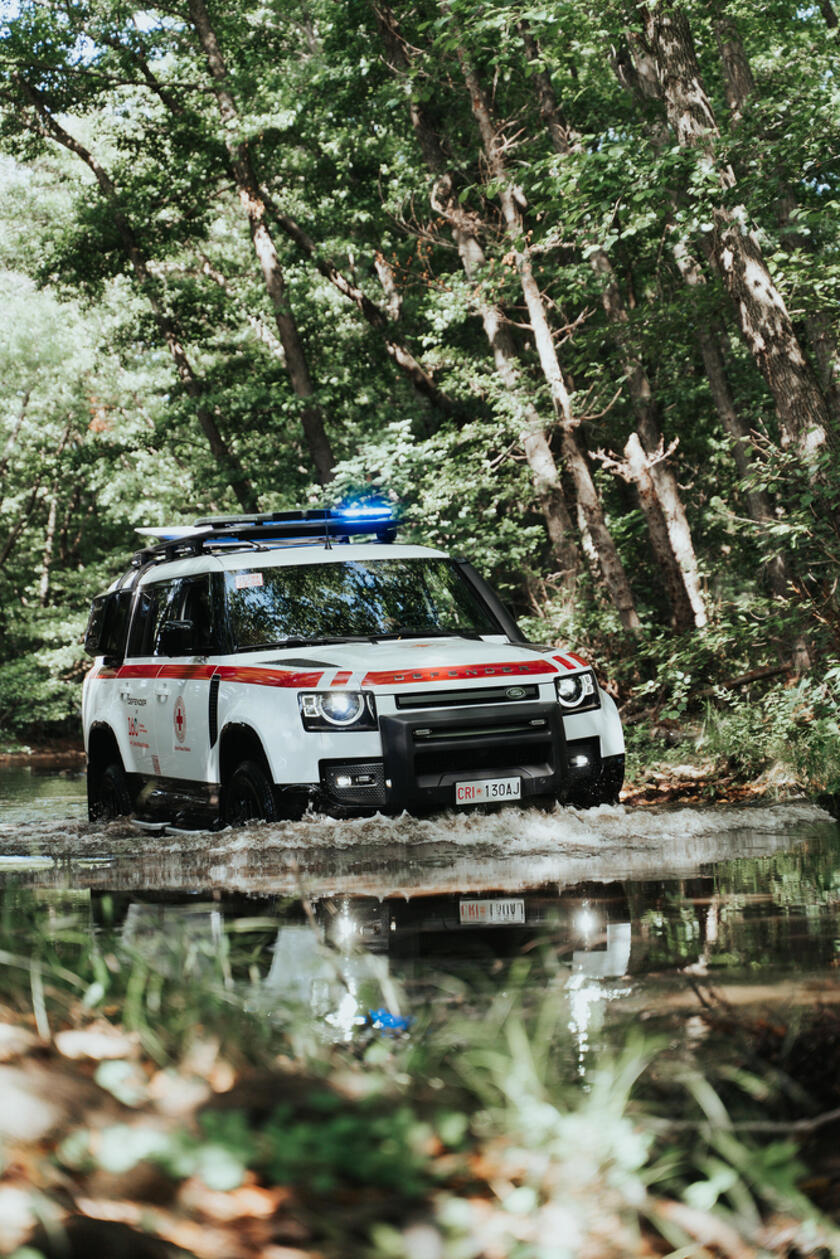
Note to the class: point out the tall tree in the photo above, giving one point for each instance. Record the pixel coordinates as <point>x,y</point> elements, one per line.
<point>511,198</point>
<point>253,204</point>
<point>759,306</point>
<point>671,536</point>
<point>466,234</point>
<point>40,119</point>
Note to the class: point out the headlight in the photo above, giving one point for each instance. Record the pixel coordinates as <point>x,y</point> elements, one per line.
<point>577,692</point>
<point>337,710</point>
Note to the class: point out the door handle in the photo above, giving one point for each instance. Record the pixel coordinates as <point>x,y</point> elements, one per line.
<point>162,692</point>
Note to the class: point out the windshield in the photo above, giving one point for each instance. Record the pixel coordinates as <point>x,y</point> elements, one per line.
<point>357,599</point>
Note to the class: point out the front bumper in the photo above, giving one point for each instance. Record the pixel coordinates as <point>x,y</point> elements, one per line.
<point>424,754</point>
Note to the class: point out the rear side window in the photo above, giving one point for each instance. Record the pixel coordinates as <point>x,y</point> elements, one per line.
<point>186,599</point>
<point>108,624</point>
<point>156,603</point>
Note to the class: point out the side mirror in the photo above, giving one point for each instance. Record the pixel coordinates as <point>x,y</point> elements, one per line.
<point>176,638</point>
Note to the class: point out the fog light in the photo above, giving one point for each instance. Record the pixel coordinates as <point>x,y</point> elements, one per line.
<point>343,780</point>
<point>579,761</point>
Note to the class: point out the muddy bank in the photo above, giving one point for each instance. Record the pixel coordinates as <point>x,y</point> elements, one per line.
<point>58,754</point>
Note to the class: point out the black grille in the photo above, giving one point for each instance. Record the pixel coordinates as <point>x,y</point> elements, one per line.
<point>468,696</point>
<point>453,760</point>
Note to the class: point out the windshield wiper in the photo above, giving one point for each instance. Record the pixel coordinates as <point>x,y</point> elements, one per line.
<point>297,640</point>
<point>406,632</point>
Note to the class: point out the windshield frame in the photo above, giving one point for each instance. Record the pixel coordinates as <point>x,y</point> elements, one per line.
<point>481,612</point>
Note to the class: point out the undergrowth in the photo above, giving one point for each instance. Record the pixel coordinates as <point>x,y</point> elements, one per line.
<point>482,1132</point>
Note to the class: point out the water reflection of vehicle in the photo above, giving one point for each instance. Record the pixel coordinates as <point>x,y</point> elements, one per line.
<point>573,923</point>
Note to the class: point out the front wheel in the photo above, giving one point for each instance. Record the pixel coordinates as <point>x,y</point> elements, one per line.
<point>601,790</point>
<point>248,796</point>
<point>109,794</point>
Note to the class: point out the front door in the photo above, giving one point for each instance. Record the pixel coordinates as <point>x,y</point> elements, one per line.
<point>182,685</point>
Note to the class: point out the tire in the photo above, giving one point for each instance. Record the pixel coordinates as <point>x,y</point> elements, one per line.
<point>109,795</point>
<point>248,796</point>
<point>602,790</point>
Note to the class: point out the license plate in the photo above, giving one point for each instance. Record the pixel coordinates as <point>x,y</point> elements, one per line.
<point>491,913</point>
<point>486,789</point>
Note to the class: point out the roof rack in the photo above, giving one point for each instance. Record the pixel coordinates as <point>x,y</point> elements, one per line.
<point>262,529</point>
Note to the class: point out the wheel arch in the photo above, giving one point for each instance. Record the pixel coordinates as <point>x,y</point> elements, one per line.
<point>102,750</point>
<point>240,742</point>
<point>103,746</point>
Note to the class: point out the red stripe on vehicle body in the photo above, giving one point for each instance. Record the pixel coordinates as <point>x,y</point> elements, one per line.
<point>251,675</point>
<point>341,679</point>
<point>567,664</point>
<point>188,672</point>
<point>138,670</point>
<point>516,668</point>
<point>579,659</point>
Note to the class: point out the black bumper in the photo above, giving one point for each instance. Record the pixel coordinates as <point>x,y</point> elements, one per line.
<point>426,753</point>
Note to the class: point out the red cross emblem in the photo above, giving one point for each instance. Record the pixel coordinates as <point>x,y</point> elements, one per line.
<point>180,719</point>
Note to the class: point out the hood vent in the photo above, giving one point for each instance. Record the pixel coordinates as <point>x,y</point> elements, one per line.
<point>513,693</point>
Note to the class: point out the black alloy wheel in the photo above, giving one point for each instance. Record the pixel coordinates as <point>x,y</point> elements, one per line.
<point>110,796</point>
<point>602,789</point>
<point>248,796</point>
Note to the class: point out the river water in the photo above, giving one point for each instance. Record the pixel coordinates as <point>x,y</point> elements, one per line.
<point>625,912</point>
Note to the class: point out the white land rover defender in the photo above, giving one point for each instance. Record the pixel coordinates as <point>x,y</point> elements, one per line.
<point>252,665</point>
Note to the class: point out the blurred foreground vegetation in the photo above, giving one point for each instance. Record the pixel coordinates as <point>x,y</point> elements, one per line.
<point>162,1100</point>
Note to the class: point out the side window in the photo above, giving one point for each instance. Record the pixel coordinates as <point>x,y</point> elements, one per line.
<point>156,603</point>
<point>108,623</point>
<point>197,608</point>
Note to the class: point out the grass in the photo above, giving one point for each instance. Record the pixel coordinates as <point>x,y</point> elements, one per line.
<point>190,1116</point>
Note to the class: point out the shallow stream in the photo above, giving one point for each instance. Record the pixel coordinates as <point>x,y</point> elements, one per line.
<point>619,911</point>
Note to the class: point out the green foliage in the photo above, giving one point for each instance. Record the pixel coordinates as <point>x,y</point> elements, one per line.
<point>324,106</point>
<point>795,726</point>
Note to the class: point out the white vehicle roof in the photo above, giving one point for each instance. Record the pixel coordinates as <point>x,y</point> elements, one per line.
<point>250,560</point>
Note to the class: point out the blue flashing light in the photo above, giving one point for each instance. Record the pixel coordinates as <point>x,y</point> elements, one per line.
<point>366,511</point>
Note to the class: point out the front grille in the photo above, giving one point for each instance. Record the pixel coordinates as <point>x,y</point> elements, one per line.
<point>467,696</point>
<point>370,790</point>
<point>433,762</point>
<point>426,754</point>
<point>507,730</point>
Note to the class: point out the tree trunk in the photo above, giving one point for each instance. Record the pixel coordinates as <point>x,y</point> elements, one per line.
<point>49,544</point>
<point>225,458</point>
<point>544,472</point>
<point>564,140</point>
<point>760,308</point>
<point>740,85</point>
<point>11,440</point>
<point>828,12</point>
<point>511,197</point>
<point>52,515</point>
<point>253,203</point>
<point>20,524</point>
<point>656,511</point>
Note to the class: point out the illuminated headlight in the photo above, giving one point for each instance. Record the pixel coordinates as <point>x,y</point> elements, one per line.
<point>337,710</point>
<point>577,691</point>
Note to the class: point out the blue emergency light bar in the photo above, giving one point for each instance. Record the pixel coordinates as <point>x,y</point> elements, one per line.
<point>276,528</point>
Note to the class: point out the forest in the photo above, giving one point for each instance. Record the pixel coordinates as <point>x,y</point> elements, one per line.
<point>560,281</point>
